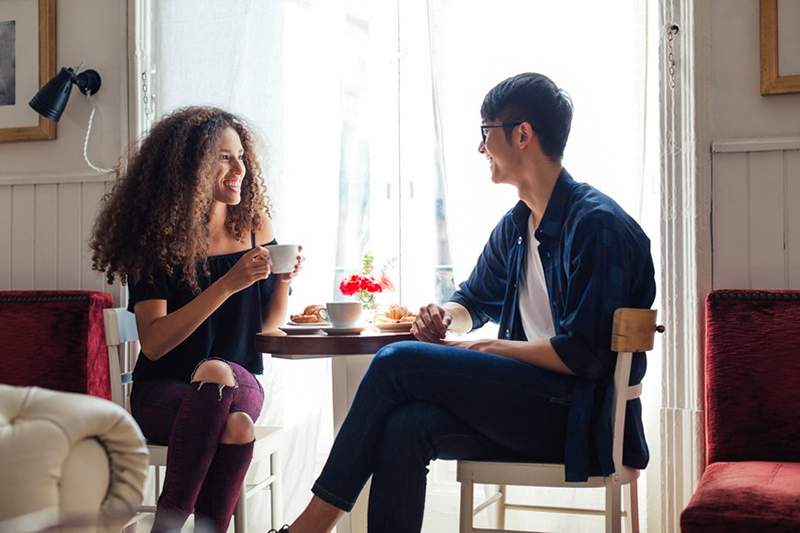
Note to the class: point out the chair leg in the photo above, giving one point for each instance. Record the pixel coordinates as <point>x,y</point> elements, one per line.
<point>631,497</point>
<point>276,490</point>
<point>465,512</point>
<point>613,511</point>
<point>501,507</point>
<point>240,513</point>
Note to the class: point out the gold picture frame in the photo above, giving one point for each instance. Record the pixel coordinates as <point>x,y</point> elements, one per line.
<point>45,129</point>
<point>771,81</point>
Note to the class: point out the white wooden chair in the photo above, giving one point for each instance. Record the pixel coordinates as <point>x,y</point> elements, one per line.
<point>122,341</point>
<point>633,331</point>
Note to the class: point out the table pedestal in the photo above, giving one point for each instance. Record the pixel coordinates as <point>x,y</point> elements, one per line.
<point>346,374</point>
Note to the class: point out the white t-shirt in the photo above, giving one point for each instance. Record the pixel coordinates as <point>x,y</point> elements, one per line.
<point>534,304</point>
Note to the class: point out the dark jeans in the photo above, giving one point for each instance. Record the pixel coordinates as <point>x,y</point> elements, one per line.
<point>203,475</point>
<point>421,401</point>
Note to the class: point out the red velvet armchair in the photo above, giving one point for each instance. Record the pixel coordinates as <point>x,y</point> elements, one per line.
<point>54,339</point>
<point>752,369</point>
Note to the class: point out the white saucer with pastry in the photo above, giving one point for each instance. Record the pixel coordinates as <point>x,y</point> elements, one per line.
<point>396,318</point>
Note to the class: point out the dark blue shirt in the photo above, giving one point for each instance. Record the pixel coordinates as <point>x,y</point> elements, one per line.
<point>596,259</point>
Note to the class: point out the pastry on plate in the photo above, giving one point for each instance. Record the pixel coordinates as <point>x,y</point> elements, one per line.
<point>310,315</point>
<point>396,314</point>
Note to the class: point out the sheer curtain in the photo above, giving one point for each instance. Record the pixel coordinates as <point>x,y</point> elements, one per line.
<point>254,58</point>
<point>369,114</point>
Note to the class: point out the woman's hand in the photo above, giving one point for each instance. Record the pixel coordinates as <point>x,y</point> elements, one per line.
<point>289,276</point>
<point>431,323</point>
<point>251,267</point>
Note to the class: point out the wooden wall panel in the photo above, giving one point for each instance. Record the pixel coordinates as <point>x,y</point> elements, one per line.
<point>44,234</point>
<point>91,194</point>
<point>23,219</point>
<point>766,221</point>
<point>45,237</point>
<point>69,236</point>
<point>6,205</point>
<point>792,210</point>
<point>756,214</point>
<point>730,221</point>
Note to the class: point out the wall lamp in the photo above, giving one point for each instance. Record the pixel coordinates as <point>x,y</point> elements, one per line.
<point>51,100</point>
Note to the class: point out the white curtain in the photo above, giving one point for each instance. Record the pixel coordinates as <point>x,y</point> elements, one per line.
<point>369,113</point>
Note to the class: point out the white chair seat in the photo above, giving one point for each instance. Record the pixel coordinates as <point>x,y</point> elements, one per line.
<point>528,474</point>
<point>268,440</point>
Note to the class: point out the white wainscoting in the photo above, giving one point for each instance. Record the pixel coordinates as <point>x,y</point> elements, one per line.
<point>756,213</point>
<point>45,223</point>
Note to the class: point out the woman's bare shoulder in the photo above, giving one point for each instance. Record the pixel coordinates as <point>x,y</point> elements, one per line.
<point>265,234</point>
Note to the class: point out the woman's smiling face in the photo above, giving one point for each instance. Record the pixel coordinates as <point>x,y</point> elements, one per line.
<point>228,170</point>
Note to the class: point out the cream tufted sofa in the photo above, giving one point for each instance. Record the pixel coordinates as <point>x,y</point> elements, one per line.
<point>67,459</point>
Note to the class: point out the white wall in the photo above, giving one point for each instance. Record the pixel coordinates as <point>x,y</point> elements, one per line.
<point>48,196</point>
<point>756,237</point>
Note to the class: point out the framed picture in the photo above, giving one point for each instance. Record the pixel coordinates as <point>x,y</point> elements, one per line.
<point>27,61</point>
<point>780,46</point>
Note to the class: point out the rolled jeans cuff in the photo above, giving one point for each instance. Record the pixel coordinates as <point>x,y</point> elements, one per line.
<point>331,498</point>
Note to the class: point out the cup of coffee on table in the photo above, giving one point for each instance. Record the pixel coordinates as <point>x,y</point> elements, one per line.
<point>283,256</point>
<point>341,314</point>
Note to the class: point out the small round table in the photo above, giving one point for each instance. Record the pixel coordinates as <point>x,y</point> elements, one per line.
<point>350,356</point>
<point>320,345</point>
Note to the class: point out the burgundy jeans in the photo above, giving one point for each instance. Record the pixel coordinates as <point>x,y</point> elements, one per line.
<point>203,475</point>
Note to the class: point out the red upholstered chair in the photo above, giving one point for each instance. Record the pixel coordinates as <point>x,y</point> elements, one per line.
<point>752,476</point>
<point>54,339</point>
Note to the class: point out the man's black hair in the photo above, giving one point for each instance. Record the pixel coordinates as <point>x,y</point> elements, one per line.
<point>533,98</point>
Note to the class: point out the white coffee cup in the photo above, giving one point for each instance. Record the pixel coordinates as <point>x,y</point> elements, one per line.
<point>283,257</point>
<point>341,314</point>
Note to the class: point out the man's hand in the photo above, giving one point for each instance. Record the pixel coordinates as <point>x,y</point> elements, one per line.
<point>431,323</point>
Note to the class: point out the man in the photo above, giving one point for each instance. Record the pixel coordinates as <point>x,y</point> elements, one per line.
<point>555,268</point>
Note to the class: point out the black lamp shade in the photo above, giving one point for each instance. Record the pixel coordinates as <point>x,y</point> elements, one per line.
<point>51,100</point>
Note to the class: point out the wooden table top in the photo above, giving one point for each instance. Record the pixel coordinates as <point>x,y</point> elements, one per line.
<point>320,345</point>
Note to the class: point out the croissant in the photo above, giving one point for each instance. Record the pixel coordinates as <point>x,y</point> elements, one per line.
<point>310,315</point>
<point>397,311</point>
<point>396,314</point>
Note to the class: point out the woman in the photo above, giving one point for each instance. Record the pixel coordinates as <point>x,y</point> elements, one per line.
<point>186,227</point>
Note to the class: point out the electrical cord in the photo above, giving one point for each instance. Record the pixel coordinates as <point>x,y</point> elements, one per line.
<point>86,141</point>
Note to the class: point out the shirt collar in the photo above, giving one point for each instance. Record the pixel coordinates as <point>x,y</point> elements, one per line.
<point>554,213</point>
<point>556,210</point>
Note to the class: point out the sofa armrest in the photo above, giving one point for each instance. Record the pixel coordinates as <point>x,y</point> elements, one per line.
<point>41,429</point>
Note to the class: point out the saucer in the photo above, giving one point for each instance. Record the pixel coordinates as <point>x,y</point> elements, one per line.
<point>308,324</point>
<point>393,326</point>
<point>301,329</point>
<point>349,330</point>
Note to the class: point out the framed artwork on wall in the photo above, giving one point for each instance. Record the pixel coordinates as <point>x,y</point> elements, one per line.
<point>27,61</point>
<point>780,46</point>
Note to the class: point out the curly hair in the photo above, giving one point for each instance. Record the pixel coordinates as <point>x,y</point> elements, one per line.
<point>156,216</point>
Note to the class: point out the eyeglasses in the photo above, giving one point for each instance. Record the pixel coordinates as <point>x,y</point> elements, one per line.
<point>485,128</point>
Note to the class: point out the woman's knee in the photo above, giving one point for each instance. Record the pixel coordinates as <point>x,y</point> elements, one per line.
<point>239,429</point>
<point>214,371</point>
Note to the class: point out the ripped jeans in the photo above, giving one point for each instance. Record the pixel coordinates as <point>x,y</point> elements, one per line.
<point>203,475</point>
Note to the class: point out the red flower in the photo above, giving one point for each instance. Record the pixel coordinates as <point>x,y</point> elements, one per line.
<point>349,286</point>
<point>359,282</point>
